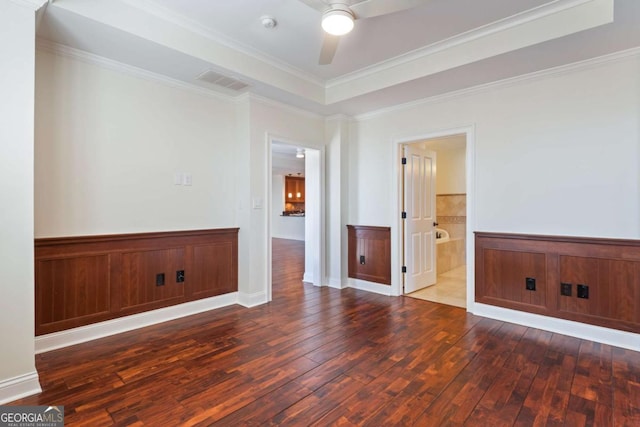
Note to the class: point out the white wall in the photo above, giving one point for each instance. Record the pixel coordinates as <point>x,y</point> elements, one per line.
<point>283,227</point>
<point>313,217</point>
<point>556,154</point>
<point>337,200</point>
<point>17,53</point>
<point>108,145</point>
<point>450,171</point>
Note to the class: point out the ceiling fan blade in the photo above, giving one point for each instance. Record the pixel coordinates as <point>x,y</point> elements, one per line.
<point>371,8</point>
<point>329,47</point>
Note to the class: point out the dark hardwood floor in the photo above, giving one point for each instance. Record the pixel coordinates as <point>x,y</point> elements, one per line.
<point>320,356</point>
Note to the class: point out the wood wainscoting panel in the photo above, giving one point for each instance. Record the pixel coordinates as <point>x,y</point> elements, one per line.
<point>505,275</point>
<point>369,252</point>
<point>139,271</point>
<point>589,280</point>
<point>613,289</point>
<point>72,291</point>
<point>88,279</point>
<point>212,278</point>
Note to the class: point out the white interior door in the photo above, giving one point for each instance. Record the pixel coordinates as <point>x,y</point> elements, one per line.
<point>420,208</point>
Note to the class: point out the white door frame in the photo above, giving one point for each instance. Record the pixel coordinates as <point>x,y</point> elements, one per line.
<point>320,257</point>
<point>396,203</point>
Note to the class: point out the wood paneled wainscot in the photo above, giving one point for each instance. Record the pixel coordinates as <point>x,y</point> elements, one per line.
<point>369,253</point>
<point>595,281</point>
<point>88,279</point>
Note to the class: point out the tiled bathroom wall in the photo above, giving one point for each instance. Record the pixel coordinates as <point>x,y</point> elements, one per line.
<point>451,214</point>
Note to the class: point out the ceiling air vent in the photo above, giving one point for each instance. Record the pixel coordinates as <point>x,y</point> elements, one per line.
<point>218,79</point>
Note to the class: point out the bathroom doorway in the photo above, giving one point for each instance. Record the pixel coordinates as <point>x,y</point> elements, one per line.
<point>451,221</point>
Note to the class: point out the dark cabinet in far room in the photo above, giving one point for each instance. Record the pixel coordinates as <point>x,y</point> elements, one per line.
<point>294,189</point>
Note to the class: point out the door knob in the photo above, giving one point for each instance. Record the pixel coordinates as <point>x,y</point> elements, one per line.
<point>435,224</point>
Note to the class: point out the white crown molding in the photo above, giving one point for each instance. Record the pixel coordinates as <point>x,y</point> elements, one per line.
<point>93,59</point>
<point>460,39</point>
<point>337,117</point>
<point>46,45</point>
<point>94,331</point>
<point>18,387</point>
<point>152,8</point>
<point>248,96</point>
<point>511,81</point>
<point>31,4</point>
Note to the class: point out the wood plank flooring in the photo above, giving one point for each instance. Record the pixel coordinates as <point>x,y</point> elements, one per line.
<point>320,356</point>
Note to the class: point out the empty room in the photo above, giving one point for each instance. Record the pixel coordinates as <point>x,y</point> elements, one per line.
<point>318,212</point>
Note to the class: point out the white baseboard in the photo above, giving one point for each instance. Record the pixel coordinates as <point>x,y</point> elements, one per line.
<point>336,283</point>
<point>599,334</point>
<point>307,278</point>
<point>18,387</point>
<point>82,334</point>
<point>364,285</point>
<point>252,300</point>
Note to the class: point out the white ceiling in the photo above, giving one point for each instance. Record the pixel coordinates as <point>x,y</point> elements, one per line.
<point>284,160</point>
<point>442,46</point>
<point>297,38</point>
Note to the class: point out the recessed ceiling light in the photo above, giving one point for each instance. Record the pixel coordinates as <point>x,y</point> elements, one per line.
<point>300,153</point>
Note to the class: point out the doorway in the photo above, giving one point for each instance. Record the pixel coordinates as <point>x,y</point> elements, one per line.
<point>453,236</point>
<point>295,193</point>
<point>449,286</point>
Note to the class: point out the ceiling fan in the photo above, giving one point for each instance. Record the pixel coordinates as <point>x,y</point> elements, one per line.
<point>338,18</point>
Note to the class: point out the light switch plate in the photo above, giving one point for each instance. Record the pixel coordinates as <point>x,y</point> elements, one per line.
<point>257,203</point>
<point>187,179</point>
<point>177,178</point>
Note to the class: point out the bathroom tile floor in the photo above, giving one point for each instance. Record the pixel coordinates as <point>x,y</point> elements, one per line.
<point>450,288</point>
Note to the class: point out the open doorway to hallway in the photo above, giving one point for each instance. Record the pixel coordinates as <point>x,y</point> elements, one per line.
<point>449,174</point>
<point>295,202</point>
<point>288,214</point>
